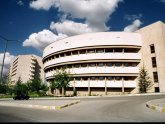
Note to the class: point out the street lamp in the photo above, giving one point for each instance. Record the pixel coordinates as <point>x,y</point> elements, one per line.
<point>6,43</point>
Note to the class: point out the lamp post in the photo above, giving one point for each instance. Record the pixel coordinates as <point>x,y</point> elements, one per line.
<point>6,43</point>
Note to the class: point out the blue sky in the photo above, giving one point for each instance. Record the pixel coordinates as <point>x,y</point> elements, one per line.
<point>38,23</point>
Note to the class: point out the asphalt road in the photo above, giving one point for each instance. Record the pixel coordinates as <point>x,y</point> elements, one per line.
<point>108,109</point>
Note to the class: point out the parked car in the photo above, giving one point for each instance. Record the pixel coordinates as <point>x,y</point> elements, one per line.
<point>21,97</point>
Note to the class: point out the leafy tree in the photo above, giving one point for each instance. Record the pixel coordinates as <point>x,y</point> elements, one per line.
<point>36,85</point>
<point>20,88</point>
<point>61,80</point>
<point>144,81</point>
<point>3,88</point>
<point>4,79</point>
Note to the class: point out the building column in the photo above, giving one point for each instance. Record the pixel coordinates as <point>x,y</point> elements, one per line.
<point>122,85</point>
<point>74,89</point>
<point>105,85</point>
<point>89,90</point>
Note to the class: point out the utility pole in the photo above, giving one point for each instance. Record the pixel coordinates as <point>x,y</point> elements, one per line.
<point>6,43</point>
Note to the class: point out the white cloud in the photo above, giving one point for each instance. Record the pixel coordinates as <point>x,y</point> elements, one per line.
<point>8,60</point>
<point>95,12</point>
<point>20,3</point>
<point>134,26</point>
<point>163,1</point>
<point>70,27</point>
<point>43,4</point>
<point>41,39</point>
<point>132,17</point>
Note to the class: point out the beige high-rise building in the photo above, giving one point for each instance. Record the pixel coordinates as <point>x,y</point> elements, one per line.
<point>26,67</point>
<point>153,54</point>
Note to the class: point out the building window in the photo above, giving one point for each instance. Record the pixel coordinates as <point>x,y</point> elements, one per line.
<point>118,50</point>
<point>68,53</point>
<point>117,64</point>
<point>57,56</point>
<point>82,51</point>
<point>109,50</point>
<point>91,51</point>
<point>100,64</point>
<point>62,55</point>
<point>101,78</point>
<point>126,65</point>
<point>74,52</point>
<point>92,64</point>
<point>157,89</point>
<point>126,78</point>
<point>152,48</point>
<point>93,78</point>
<point>110,78</point>
<point>100,51</point>
<point>134,64</point>
<point>117,78</point>
<point>155,74</point>
<point>78,78</point>
<point>77,65</point>
<point>153,61</point>
<point>84,65</point>
<point>109,64</point>
<point>85,78</point>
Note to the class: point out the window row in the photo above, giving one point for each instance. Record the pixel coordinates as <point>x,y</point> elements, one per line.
<point>95,64</point>
<point>112,78</point>
<point>96,50</point>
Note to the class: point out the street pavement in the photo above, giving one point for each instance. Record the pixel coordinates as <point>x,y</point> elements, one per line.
<point>52,104</point>
<point>157,104</point>
<point>56,103</point>
<point>126,108</point>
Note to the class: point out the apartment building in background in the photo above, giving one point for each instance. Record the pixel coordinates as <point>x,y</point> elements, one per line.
<point>25,67</point>
<point>109,62</point>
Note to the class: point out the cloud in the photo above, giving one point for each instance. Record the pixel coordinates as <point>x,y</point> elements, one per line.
<point>41,39</point>
<point>20,3</point>
<point>95,12</point>
<point>163,1</point>
<point>70,27</point>
<point>43,4</point>
<point>132,17</point>
<point>134,26</point>
<point>8,60</point>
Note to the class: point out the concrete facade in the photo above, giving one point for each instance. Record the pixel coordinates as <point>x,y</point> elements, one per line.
<point>26,67</point>
<point>154,35</point>
<point>115,68</point>
<point>101,63</point>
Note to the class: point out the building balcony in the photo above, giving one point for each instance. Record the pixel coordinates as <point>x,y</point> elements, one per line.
<point>100,70</point>
<point>94,57</point>
<point>110,84</point>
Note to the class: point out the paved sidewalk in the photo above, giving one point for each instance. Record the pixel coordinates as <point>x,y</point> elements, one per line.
<point>157,104</point>
<point>51,104</point>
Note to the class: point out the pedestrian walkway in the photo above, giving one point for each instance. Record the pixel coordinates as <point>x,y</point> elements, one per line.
<point>157,104</point>
<point>51,104</point>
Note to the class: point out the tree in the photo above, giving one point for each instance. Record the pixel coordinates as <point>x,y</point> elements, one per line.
<point>36,85</point>
<point>20,88</point>
<point>61,80</point>
<point>144,81</point>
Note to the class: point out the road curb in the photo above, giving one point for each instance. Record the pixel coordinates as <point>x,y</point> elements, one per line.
<point>40,106</point>
<point>155,107</point>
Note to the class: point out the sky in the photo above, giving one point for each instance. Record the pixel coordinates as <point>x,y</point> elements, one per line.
<point>36,24</point>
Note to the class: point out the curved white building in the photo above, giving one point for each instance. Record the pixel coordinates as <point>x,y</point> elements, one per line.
<point>101,63</point>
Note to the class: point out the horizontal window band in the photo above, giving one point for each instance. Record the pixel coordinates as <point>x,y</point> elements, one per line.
<point>90,61</point>
<point>91,47</point>
<point>101,74</point>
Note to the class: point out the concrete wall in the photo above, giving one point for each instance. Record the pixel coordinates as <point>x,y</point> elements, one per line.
<point>154,34</point>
